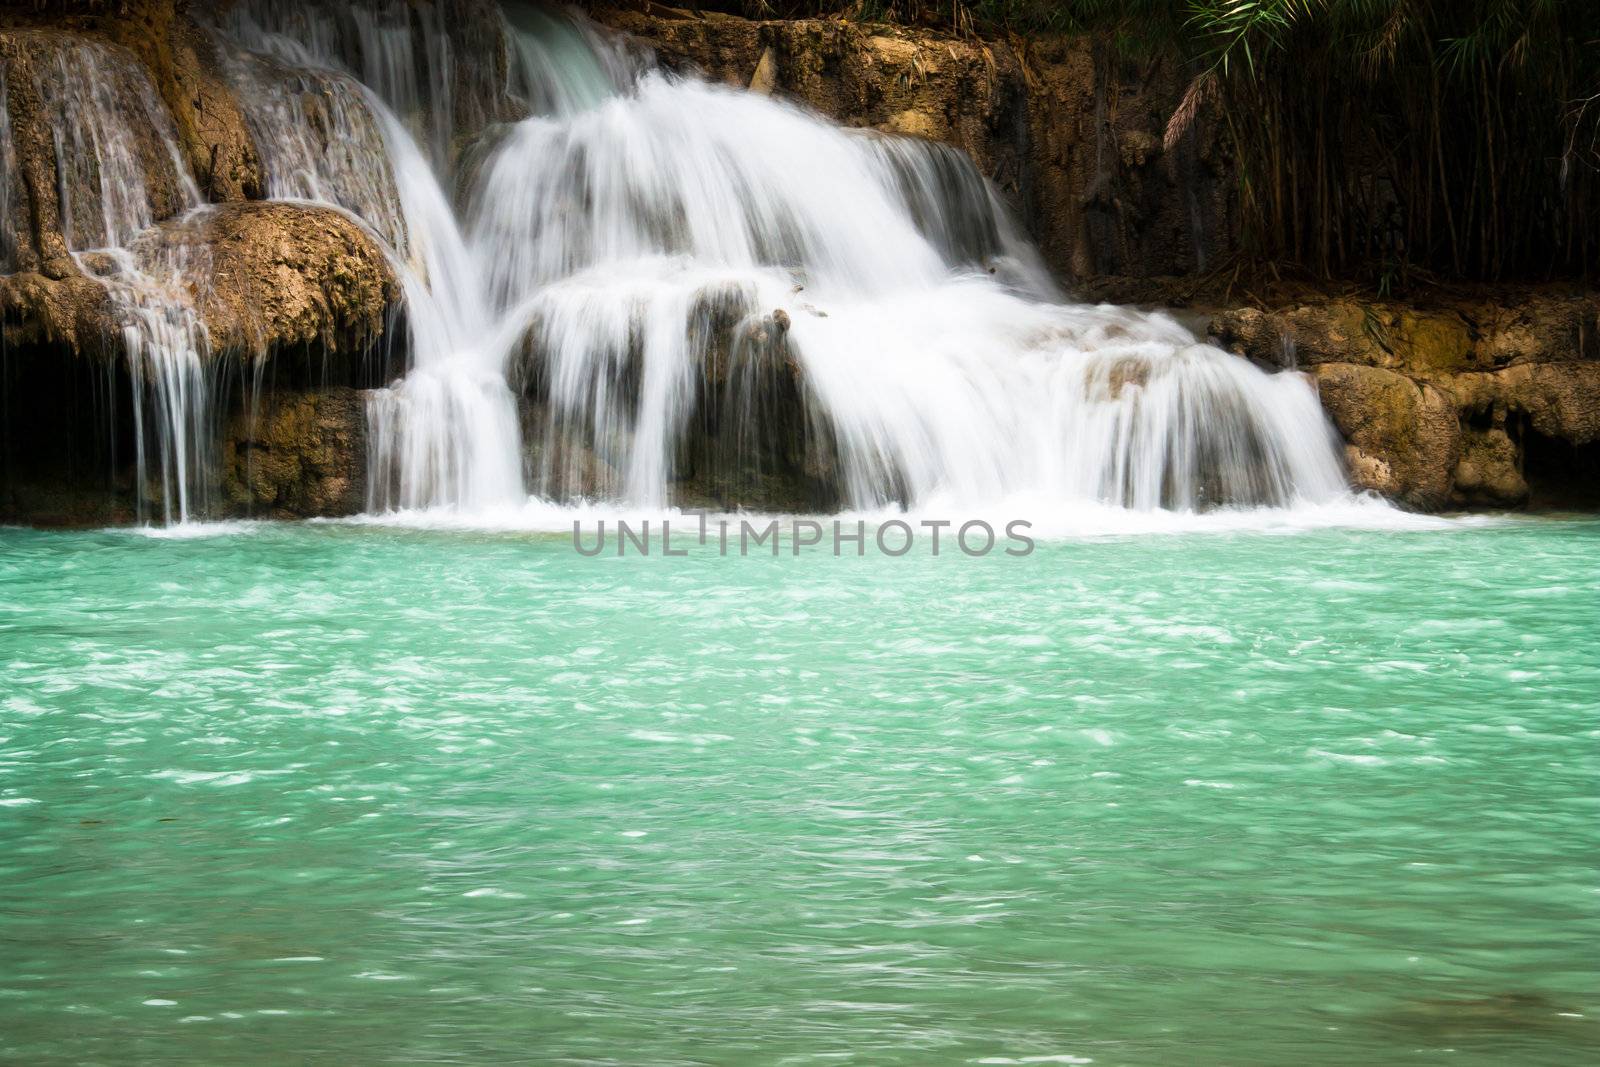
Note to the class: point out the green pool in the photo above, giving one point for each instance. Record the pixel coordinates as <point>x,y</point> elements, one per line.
<point>363,795</point>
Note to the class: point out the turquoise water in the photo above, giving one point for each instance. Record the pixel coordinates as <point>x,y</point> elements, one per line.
<point>342,794</point>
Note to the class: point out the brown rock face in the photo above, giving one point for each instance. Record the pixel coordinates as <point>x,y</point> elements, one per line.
<point>55,196</point>
<point>68,313</point>
<point>297,455</point>
<point>1466,402</point>
<point>294,299</point>
<point>267,278</point>
<point>181,63</point>
<point>283,277</point>
<point>1072,137</point>
<point>1402,437</point>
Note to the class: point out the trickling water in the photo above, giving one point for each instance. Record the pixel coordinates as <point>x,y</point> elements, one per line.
<point>9,180</point>
<point>118,171</point>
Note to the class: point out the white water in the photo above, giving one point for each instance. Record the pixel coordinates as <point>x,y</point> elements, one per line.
<point>99,103</point>
<point>601,232</point>
<point>640,249</point>
<point>9,180</point>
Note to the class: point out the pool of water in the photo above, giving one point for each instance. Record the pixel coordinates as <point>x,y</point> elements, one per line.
<point>354,794</point>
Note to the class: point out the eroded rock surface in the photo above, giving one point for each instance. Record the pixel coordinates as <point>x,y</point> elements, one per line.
<point>294,299</point>
<point>1462,402</point>
<point>283,277</point>
<point>297,455</point>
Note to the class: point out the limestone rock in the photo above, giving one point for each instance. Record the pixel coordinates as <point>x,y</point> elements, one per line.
<point>1488,472</point>
<point>1372,334</point>
<point>68,313</point>
<point>182,62</point>
<point>267,278</point>
<point>285,276</point>
<point>1560,400</point>
<point>1402,437</point>
<point>48,191</point>
<point>1513,369</point>
<point>297,455</point>
<point>765,79</point>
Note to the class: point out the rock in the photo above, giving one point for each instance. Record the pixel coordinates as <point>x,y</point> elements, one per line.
<point>1559,400</point>
<point>44,192</point>
<point>284,277</point>
<point>1488,472</point>
<point>70,313</point>
<point>913,123</point>
<point>183,63</point>
<point>765,79</point>
<point>293,297</point>
<point>297,455</point>
<point>1402,438</point>
<point>1513,369</point>
<point>749,439</point>
<point>279,278</point>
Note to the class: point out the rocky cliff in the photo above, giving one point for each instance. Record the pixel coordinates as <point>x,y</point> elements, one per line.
<point>1464,402</point>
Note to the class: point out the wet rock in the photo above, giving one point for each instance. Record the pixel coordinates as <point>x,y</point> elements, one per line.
<point>1559,400</point>
<point>1402,438</point>
<point>267,278</point>
<point>294,298</point>
<point>297,455</point>
<point>1488,473</point>
<point>765,78</point>
<point>913,123</point>
<point>1459,390</point>
<point>183,63</point>
<point>51,75</point>
<point>752,441</point>
<point>71,313</point>
<point>284,277</point>
<point>1372,334</point>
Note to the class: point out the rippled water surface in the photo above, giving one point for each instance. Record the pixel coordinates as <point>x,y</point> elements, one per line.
<point>342,794</point>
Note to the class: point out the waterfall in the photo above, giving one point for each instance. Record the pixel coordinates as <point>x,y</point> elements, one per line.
<point>935,356</point>
<point>642,256</point>
<point>119,170</point>
<point>632,285</point>
<point>449,431</point>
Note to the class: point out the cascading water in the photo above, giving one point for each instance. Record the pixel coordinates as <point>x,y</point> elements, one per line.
<point>930,343</point>
<point>9,179</point>
<point>117,173</point>
<point>448,432</point>
<point>636,263</point>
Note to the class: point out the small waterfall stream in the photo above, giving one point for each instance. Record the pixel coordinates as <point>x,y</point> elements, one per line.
<point>600,261</point>
<point>105,159</point>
